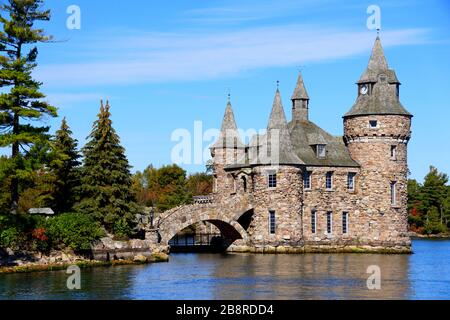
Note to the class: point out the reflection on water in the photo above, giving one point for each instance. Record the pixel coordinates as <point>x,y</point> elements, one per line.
<point>424,275</point>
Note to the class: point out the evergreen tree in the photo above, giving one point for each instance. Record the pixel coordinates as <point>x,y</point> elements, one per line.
<point>65,167</point>
<point>106,178</point>
<point>21,98</point>
<point>434,192</point>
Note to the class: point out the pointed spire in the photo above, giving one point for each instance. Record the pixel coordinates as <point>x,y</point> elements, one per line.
<point>229,136</point>
<point>300,92</point>
<point>300,101</point>
<point>377,59</point>
<point>378,65</point>
<point>278,137</point>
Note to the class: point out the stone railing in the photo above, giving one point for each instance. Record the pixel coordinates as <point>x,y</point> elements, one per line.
<point>204,199</point>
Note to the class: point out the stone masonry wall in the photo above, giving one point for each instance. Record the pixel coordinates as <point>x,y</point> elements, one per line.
<point>372,149</point>
<point>285,200</point>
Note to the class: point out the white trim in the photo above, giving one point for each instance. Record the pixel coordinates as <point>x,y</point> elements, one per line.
<point>270,222</point>
<point>331,223</point>
<point>347,224</point>
<point>314,214</point>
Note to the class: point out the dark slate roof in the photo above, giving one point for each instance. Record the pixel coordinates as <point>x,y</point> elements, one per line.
<point>229,135</point>
<point>278,137</point>
<point>383,99</point>
<point>378,65</point>
<point>300,90</point>
<point>305,135</point>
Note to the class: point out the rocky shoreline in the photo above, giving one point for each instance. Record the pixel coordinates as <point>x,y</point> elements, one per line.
<point>105,252</point>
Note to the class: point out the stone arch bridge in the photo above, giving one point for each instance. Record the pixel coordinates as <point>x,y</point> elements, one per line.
<point>231,218</point>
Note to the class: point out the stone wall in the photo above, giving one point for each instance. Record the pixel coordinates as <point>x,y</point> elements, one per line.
<point>285,200</point>
<point>371,148</point>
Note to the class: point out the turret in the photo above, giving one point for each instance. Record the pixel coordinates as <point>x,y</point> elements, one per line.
<point>377,131</point>
<point>227,150</point>
<point>300,101</point>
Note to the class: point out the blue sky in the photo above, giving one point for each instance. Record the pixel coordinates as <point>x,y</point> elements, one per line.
<point>165,65</point>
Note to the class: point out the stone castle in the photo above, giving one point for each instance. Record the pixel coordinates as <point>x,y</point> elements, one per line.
<point>320,189</point>
<point>297,188</point>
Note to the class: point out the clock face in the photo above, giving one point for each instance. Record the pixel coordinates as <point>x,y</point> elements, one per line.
<point>364,89</point>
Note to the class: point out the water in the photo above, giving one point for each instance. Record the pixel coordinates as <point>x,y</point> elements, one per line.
<point>424,275</point>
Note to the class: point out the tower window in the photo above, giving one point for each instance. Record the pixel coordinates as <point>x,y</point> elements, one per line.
<point>351,181</point>
<point>244,183</point>
<point>272,180</point>
<point>307,180</point>
<point>313,221</point>
<point>394,193</point>
<point>272,226</point>
<point>373,124</point>
<point>321,151</point>
<point>329,223</point>
<point>345,223</point>
<point>394,152</point>
<point>329,181</point>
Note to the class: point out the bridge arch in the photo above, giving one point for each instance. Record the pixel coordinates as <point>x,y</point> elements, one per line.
<point>225,219</point>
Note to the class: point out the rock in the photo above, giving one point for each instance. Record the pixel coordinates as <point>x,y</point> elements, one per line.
<point>140,258</point>
<point>9,252</point>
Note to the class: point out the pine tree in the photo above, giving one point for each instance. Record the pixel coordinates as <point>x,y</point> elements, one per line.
<point>65,168</point>
<point>21,98</point>
<point>106,178</point>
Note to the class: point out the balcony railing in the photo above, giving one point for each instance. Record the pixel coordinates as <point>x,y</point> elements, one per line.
<point>203,199</point>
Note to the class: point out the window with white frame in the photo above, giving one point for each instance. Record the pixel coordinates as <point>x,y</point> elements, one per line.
<point>373,124</point>
<point>394,152</point>
<point>272,180</point>
<point>345,223</point>
<point>321,151</point>
<point>329,223</point>
<point>394,193</point>
<point>272,222</point>
<point>351,181</point>
<point>307,180</point>
<point>329,180</point>
<point>313,221</point>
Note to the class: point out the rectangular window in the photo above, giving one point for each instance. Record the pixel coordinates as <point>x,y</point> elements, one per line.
<point>394,152</point>
<point>321,151</point>
<point>394,193</point>
<point>329,223</point>
<point>329,181</point>
<point>345,223</point>
<point>351,181</point>
<point>272,226</point>
<point>373,124</point>
<point>272,180</point>
<point>307,180</point>
<point>313,221</point>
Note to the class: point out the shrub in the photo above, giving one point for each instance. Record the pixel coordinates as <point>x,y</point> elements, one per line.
<point>73,230</point>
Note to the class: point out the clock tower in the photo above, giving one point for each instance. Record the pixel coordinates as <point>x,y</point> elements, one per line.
<point>377,130</point>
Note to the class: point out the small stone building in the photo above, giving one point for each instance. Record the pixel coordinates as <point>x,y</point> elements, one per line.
<point>310,189</point>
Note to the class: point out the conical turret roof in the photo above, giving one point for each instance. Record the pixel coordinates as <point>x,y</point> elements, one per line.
<point>383,98</point>
<point>300,92</point>
<point>229,135</point>
<point>378,65</point>
<point>277,141</point>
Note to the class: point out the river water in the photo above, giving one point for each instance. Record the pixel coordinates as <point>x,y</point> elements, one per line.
<point>423,275</point>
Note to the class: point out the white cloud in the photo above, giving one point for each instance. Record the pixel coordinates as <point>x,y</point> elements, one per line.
<point>163,57</point>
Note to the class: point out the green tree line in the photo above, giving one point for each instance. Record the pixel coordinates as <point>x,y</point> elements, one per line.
<point>92,191</point>
<point>429,203</point>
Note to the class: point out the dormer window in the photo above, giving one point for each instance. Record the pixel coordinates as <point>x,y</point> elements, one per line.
<point>321,151</point>
<point>373,124</point>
